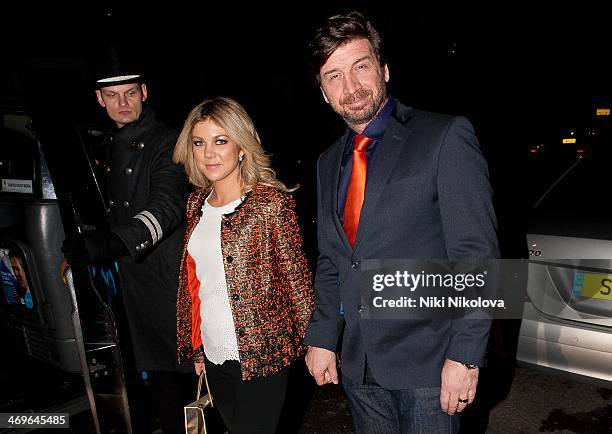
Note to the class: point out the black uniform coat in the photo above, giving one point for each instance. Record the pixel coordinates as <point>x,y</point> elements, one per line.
<point>147,194</point>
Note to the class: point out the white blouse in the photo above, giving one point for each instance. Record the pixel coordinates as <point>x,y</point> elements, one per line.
<point>204,246</point>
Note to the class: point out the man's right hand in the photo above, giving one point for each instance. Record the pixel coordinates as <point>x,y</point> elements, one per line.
<point>75,250</point>
<point>322,365</point>
<point>96,246</point>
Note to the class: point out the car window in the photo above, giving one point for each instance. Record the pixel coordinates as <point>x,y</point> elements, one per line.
<point>575,203</point>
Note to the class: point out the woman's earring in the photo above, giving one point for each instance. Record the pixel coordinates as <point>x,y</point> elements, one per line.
<point>240,158</point>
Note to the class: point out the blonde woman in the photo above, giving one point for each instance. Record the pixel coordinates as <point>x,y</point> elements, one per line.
<point>245,293</point>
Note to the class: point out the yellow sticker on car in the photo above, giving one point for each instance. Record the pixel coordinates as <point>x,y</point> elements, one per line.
<point>592,285</point>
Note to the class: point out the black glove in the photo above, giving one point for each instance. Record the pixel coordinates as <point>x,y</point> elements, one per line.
<point>94,247</point>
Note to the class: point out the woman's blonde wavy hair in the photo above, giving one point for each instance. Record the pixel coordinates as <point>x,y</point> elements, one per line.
<point>255,167</point>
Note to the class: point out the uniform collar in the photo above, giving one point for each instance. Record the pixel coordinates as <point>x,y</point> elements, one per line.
<point>134,130</point>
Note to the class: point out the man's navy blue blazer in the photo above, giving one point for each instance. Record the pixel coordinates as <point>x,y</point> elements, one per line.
<point>427,197</point>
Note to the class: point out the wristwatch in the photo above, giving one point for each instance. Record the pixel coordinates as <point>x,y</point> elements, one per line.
<point>467,365</point>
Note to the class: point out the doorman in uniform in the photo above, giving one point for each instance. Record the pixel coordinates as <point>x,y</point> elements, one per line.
<point>146,196</point>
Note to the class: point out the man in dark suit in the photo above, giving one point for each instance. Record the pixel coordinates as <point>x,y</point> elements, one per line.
<point>403,184</point>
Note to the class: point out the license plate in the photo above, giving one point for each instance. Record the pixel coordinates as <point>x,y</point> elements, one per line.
<point>592,285</point>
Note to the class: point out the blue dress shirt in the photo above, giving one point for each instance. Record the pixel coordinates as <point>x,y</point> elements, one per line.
<point>375,131</point>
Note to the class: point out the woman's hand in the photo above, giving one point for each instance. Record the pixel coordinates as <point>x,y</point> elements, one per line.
<point>199,368</point>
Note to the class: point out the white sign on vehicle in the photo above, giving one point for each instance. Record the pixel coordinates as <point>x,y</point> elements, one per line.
<point>17,185</point>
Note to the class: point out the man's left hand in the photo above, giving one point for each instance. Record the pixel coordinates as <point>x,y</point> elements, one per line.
<point>458,384</point>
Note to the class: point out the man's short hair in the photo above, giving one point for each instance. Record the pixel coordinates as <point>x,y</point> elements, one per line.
<point>338,30</point>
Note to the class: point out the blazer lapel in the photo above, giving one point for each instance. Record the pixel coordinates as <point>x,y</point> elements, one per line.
<point>386,158</point>
<point>334,179</point>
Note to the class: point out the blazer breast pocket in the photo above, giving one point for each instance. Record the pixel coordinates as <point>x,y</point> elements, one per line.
<point>408,186</point>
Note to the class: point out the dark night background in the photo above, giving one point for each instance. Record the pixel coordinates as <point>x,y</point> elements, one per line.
<point>524,75</point>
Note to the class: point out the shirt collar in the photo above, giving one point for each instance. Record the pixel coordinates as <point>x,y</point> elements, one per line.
<point>377,126</point>
<point>375,129</point>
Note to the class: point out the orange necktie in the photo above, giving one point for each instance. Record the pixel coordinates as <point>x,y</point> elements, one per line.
<point>356,188</point>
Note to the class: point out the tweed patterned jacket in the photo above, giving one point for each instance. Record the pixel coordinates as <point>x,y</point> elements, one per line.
<point>268,282</point>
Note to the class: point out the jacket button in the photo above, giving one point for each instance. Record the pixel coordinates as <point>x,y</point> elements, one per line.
<point>126,204</point>
<point>229,259</point>
<point>128,171</point>
<point>360,309</point>
<point>235,297</point>
<point>107,169</point>
<point>141,145</point>
<point>241,333</point>
<point>355,265</point>
<point>227,223</point>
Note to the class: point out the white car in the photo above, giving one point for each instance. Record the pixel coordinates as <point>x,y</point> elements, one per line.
<point>567,322</point>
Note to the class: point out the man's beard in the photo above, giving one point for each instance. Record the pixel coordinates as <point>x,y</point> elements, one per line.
<point>367,114</point>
